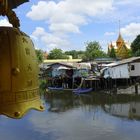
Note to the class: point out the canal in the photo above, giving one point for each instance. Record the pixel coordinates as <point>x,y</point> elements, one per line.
<point>73,117</point>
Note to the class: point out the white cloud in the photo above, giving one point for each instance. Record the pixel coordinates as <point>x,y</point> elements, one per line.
<point>50,41</point>
<point>4,22</point>
<point>39,31</point>
<point>64,17</point>
<point>44,10</point>
<point>41,11</point>
<point>67,16</point>
<point>109,33</point>
<point>64,27</point>
<point>131,30</point>
<point>70,13</point>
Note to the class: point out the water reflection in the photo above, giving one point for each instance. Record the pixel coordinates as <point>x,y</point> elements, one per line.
<point>72,117</point>
<point>130,110</point>
<point>119,106</point>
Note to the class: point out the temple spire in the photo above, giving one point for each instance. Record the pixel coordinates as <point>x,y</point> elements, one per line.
<point>119,41</point>
<point>119,27</point>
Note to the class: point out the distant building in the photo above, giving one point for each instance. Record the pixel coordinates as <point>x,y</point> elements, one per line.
<point>121,47</point>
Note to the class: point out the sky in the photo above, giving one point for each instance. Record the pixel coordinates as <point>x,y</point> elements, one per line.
<point>70,24</point>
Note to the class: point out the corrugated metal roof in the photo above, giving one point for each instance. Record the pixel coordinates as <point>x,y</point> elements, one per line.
<point>62,64</point>
<point>124,61</point>
<point>74,65</point>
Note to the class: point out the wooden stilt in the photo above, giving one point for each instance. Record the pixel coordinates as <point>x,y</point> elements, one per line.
<point>136,89</point>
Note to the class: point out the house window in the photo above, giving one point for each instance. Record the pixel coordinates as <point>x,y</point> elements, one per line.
<point>132,67</point>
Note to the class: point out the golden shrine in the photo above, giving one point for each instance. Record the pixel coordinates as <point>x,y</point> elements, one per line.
<point>121,47</point>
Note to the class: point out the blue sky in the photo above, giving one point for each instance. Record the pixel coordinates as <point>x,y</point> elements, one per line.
<point>69,24</point>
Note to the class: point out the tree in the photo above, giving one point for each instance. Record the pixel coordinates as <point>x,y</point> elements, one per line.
<point>75,54</point>
<point>81,54</point>
<point>93,50</point>
<point>112,53</point>
<point>57,54</point>
<point>39,54</point>
<point>130,53</point>
<point>135,46</point>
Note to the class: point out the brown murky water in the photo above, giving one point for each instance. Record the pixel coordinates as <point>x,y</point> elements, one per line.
<point>72,117</point>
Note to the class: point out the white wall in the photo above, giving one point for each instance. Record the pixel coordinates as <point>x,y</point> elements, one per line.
<point>120,71</point>
<point>136,71</point>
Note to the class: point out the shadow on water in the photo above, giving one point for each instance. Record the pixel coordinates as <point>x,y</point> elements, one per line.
<point>123,106</point>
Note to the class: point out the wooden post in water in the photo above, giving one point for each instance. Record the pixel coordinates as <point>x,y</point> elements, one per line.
<point>127,82</point>
<point>95,85</point>
<point>136,88</point>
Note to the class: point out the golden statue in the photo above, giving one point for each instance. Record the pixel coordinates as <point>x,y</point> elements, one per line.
<point>19,87</point>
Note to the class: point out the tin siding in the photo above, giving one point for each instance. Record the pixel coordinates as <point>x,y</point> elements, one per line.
<point>136,71</point>
<point>121,71</point>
